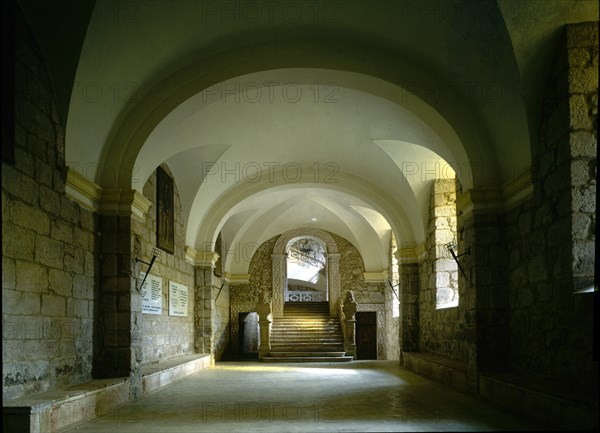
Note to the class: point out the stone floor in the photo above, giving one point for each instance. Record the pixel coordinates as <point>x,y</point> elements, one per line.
<point>361,396</point>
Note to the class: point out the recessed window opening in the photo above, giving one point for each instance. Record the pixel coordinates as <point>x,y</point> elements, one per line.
<point>395,278</point>
<point>444,229</point>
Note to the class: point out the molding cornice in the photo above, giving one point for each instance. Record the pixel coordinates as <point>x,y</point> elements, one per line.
<point>411,253</point>
<point>83,191</point>
<point>376,277</point>
<point>124,202</point>
<point>237,278</point>
<point>496,199</point>
<point>105,201</point>
<point>517,189</point>
<point>201,258</point>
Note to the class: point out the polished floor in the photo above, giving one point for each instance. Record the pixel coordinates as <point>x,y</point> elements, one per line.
<point>361,396</point>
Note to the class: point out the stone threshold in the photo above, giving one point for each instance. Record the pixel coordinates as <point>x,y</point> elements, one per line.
<point>57,410</point>
<point>450,372</point>
<point>158,375</point>
<point>558,404</point>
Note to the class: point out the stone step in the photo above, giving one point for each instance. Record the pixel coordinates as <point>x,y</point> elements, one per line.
<point>305,335</point>
<point>302,353</point>
<point>316,343</point>
<point>306,320</point>
<point>307,316</point>
<point>307,358</point>
<point>300,329</point>
<point>307,347</point>
<point>322,304</point>
<point>297,335</point>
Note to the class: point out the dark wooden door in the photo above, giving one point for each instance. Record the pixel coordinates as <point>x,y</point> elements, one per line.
<point>366,335</point>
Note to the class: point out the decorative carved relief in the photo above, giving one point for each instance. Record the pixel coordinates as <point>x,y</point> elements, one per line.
<point>279,282</point>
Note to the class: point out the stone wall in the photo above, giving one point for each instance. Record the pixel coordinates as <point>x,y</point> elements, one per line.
<point>221,318</point>
<point>409,307</point>
<point>212,317</point>
<point>164,336</point>
<point>551,236</point>
<point>369,296</point>
<point>441,320</point>
<point>48,244</point>
<point>243,297</point>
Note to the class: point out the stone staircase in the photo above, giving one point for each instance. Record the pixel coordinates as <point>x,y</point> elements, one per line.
<point>307,333</point>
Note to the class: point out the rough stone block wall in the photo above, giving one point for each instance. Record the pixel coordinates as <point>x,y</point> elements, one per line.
<point>48,245</point>
<point>369,296</point>
<point>551,237</point>
<point>243,297</point>
<point>442,331</point>
<point>221,319</point>
<point>409,307</point>
<point>483,293</point>
<point>117,346</point>
<point>202,312</point>
<point>392,329</point>
<point>212,315</point>
<point>164,336</point>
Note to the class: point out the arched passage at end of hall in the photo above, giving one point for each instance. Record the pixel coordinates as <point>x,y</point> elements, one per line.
<point>280,267</point>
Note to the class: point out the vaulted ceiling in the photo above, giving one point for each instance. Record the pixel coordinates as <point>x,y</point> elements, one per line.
<point>335,115</point>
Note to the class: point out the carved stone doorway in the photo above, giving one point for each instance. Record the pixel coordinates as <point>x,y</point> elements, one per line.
<point>280,261</point>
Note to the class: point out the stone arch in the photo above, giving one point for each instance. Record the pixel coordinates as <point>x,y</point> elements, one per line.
<point>280,267</point>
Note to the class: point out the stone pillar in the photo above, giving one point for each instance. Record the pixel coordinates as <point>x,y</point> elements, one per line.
<point>119,336</point>
<point>334,283</point>
<point>203,313</point>
<point>442,222</point>
<point>349,310</point>
<point>279,283</point>
<point>409,307</point>
<point>484,296</point>
<point>263,308</point>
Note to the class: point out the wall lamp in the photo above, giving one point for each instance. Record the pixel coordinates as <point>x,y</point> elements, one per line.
<point>451,246</point>
<point>155,254</point>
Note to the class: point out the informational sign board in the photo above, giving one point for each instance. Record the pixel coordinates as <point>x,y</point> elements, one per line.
<point>178,299</point>
<point>151,294</point>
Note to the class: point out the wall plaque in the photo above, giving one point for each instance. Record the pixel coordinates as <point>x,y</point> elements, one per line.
<point>151,294</point>
<point>178,299</point>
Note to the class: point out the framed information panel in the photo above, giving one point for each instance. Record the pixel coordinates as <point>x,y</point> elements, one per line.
<point>178,299</point>
<point>151,294</point>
